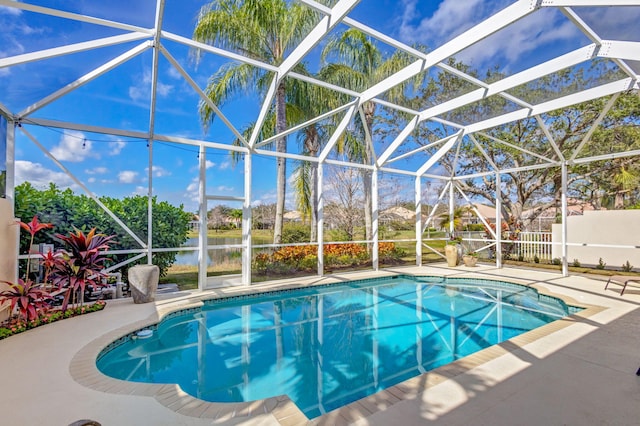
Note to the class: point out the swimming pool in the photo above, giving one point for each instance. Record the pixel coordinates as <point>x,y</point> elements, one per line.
<point>327,346</point>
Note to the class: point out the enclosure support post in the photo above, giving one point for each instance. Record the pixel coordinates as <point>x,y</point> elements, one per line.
<point>202,237</point>
<point>10,181</point>
<point>320,171</point>
<point>563,194</point>
<point>418,221</point>
<point>451,209</point>
<point>246,221</point>
<point>375,261</point>
<point>150,206</point>
<point>498,221</point>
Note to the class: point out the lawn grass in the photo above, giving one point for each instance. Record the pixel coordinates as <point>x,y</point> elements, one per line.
<point>187,277</point>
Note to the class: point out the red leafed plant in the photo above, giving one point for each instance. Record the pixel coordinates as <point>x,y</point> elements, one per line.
<point>27,296</point>
<point>80,263</point>
<point>30,299</point>
<point>33,228</point>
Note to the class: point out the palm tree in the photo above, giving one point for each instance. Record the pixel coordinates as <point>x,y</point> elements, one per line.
<point>236,215</point>
<point>304,102</point>
<point>261,29</point>
<point>358,64</point>
<point>459,213</point>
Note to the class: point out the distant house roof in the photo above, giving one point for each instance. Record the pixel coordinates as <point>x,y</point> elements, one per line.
<point>400,212</point>
<point>487,212</point>
<point>293,216</point>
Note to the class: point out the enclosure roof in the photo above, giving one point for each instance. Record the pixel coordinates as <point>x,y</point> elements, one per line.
<point>56,52</point>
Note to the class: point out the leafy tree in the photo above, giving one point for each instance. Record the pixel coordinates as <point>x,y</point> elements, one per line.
<point>262,29</point>
<point>539,189</point>
<point>68,211</point>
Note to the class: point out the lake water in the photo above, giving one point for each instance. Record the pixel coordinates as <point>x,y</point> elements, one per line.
<point>216,256</point>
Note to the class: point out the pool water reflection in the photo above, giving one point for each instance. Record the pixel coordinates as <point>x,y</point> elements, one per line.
<point>326,347</point>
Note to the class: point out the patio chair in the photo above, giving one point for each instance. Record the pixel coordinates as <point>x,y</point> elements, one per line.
<point>622,280</point>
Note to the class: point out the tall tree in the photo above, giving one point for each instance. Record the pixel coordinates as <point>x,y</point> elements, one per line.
<point>353,60</point>
<point>261,29</point>
<point>537,190</point>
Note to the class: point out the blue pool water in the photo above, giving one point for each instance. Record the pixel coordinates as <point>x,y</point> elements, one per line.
<point>326,347</point>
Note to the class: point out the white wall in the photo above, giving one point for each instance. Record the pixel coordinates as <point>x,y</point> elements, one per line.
<point>8,247</point>
<point>619,227</point>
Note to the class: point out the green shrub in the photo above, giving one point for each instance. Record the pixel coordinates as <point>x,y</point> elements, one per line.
<point>600,264</point>
<point>295,233</point>
<point>627,267</point>
<point>576,263</point>
<point>536,259</point>
<point>68,211</point>
<point>556,261</point>
<point>310,261</point>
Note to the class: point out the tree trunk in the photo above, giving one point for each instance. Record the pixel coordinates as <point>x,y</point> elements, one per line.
<point>281,163</point>
<point>369,111</point>
<point>313,146</point>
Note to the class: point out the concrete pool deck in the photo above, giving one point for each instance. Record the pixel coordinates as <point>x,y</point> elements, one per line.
<point>578,371</point>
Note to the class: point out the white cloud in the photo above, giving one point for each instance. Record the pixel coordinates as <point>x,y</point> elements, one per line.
<point>96,171</point>
<point>141,190</point>
<point>620,23</point>
<point>174,73</point>
<point>127,176</point>
<point>520,40</point>
<point>40,177</point>
<point>266,198</point>
<point>73,147</point>
<point>226,165</point>
<point>91,180</point>
<point>159,171</point>
<point>142,90</point>
<point>116,147</point>
<point>453,17</point>
<point>5,10</point>
<point>208,165</point>
<point>223,188</point>
<point>192,191</point>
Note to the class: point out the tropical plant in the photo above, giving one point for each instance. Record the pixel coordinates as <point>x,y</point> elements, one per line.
<point>27,296</point>
<point>80,263</point>
<point>33,228</point>
<point>457,216</point>
<point>236,215</point>
<point>261,29</point>
<point>69,211</point>
<point>353,60</point>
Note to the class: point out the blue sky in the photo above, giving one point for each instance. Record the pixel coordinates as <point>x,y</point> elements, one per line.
<point>117,166</point>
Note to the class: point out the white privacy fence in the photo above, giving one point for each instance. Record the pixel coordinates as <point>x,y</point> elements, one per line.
<point>527,246</point>
<point>532,245</point>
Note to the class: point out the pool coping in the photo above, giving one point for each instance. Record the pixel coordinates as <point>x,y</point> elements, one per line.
<point>84,371</point>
